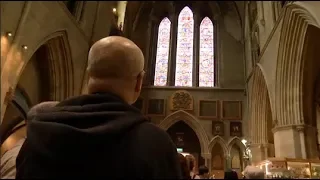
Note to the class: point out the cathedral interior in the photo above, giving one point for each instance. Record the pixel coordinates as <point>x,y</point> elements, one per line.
<point>232,82</point>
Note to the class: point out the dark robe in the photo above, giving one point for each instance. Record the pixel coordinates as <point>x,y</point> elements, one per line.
<point>97,135</point>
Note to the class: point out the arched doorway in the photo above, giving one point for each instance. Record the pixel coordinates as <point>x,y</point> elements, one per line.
<point>217,161</point>
<point>186,140</point>
<point>311,90</point>
<point>296,73</point>
<point>236,150</point>
<point>236,159</point>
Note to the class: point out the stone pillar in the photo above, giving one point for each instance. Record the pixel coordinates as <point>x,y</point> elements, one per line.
<point>300,129</point>
<point>258,153</point>
<point>310,141</point>
<point>227,164</point>
<point>207,159</point>
<point>121,12</point>
<point>287,142</point>
<point>265,148</point>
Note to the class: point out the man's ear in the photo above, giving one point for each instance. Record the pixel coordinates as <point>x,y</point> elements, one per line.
<point>139,82</point>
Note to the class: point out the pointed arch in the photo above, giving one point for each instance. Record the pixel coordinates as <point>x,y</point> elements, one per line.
<point>58,52</point>
<point>236,141</point>
<point>162,55</point>
<point>191,121</point>
<point>218,140</point>
<point>206,54</point>
<point>260,115</point>
<point>184,56</point>
<point>290,64</point>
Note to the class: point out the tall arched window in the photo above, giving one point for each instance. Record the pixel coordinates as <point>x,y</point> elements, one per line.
<point>184,59</point>
<point>206,60</point>
<point>161,70</point>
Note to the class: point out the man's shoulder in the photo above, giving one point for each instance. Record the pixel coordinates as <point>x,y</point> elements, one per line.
<point>152,133</point>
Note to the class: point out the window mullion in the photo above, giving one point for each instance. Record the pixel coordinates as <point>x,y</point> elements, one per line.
<point>196,47</point>
<point>153,51</point>
<point>173,50</point>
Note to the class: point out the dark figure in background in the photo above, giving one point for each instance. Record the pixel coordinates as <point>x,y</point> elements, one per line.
<point>230,174</point>
<point>203,172</point>
<point>100,135</point>
<point>184,167</point>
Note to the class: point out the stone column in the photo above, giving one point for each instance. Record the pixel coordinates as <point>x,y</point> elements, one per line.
<point>300,129</point>
<point>207,158</point>
<point>287,142</point>
<point>227,164</point>
<point>265,148</point>
<point>259,152</point>
<point>121,12</point>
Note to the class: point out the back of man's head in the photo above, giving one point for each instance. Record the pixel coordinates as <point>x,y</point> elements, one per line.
<point>115,64</point>
<point>252,172</point>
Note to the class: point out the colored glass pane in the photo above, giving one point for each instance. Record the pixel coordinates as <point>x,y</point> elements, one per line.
<point>206,59</point>
<point>184,58</point>
<point>161,67</point>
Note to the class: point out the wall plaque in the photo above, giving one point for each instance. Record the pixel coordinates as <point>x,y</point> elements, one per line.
<point>181,100</point>
<point>217,128</point>
<point>231,110</point>
<point>236,129</point>
<point>156,107</point>
<point>208,109</point>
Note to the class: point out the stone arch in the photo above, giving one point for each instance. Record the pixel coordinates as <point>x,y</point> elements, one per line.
<point>221,142</point>
<point>60,67</point>
<point>236,141</point>
<point>191,121</point>
<point>290,64</point>
<point>260,116</point>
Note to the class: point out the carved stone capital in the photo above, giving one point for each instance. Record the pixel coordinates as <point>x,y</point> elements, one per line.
<point>206,155</point>
<point>300,128</point>
<point>280,128</point>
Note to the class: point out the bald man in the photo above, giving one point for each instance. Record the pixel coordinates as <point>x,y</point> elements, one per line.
<point>100,134</point>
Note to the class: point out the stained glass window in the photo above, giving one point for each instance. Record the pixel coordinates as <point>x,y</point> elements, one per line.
<point>183,74</point>
<point>161,68</point>
<point>206,59</point>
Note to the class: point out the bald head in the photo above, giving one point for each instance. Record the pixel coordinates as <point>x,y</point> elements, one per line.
<point>115,57</point>
<point>116,64</point>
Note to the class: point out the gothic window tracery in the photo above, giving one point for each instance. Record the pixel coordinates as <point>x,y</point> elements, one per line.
<point>185,59</point>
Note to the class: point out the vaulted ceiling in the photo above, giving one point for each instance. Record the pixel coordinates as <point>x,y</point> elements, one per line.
<point>136,9</point>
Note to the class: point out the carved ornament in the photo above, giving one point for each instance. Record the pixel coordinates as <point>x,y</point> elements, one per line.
<point>181,100</point>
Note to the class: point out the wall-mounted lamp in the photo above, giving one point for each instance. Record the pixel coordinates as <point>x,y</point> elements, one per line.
<point>114,10</point>
<point>9,34</point>
<point>24,47</point>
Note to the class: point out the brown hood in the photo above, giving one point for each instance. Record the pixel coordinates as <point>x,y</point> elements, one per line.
<point>41,107</point>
